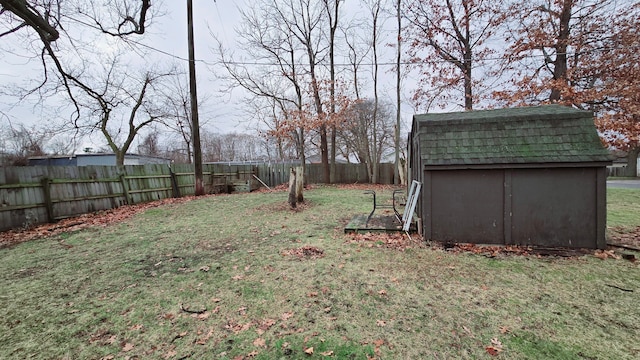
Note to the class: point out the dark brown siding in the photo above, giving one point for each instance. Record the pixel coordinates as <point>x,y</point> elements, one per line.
<point>554,207</point>
<point>540,206</point>
<point>467,206</point>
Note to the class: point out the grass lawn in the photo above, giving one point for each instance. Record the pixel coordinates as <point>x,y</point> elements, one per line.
<point>623,208</point>
<point>243,276</point>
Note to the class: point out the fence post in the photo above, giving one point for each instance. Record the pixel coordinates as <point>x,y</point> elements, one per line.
<point>125,189</point>
<point>174,184</point>
<point>46,189</point>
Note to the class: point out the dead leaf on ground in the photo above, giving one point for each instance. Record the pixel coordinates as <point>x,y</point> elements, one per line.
<point>327,353</point>
<point>259,342</point>
<point>204,316</point>
<point>309,351</point>
<point>266,324</point>
<point>305,252</point>
<point>127,347</point>
<point>377,344</point>
<point>170,353</point>
<point>203,340</point>
<point>492,350</point>
<point>495,348</point>
<point>606,254</point>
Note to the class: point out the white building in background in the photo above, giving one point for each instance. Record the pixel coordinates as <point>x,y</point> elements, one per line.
<point>106,159</point>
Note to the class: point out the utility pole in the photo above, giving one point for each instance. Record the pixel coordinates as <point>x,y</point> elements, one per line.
<point>195,131</point>
<point>396,178</point>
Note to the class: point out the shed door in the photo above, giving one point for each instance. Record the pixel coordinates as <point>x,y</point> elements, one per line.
<point>467,206</point>
<point>554,207</point>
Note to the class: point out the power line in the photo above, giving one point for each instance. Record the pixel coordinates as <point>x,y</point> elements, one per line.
<point>404,63</point>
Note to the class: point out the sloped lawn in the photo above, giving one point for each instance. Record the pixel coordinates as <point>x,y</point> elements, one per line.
<point>243,276</point>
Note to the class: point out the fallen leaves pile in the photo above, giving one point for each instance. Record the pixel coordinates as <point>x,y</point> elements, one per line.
<point>100,218</point>
<point>488,250</point>
<point>629,238</point>
<point>305,252</point>
<point>392,240</point>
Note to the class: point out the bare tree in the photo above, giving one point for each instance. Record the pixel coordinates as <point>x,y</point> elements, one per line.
<point>290,37</point>
<point>150,144</point>
<point>177,101</point>
<point>68,23</point>
<point>332,9</point>
<point>119,105</point>
<point>375,8</point>
<point>358,138</point>
<point>398,172</point>
<point>276,91</point>
<point>25,142</point>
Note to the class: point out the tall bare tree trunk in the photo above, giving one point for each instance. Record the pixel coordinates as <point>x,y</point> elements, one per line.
<point>300,184</point>
<point>398,177</point>
<point>375,161</point>
<point>333,26</point>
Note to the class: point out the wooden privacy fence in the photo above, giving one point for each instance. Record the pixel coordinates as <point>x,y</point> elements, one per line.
<point>278,173</point>
<point>39,194</point>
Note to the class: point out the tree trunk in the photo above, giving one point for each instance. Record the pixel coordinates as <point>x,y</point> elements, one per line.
<point>299,184</point>
<point>560,62</point>
<point>332,175</point>
<point>292,188</point>
<point>397,176</point>
<point>119,157</point>
<point>632,162</point>
<point>324,154</point>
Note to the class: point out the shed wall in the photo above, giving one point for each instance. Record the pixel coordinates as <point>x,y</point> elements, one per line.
<point>538,206</point>
<point>554,207</point>
<point>468,206</point>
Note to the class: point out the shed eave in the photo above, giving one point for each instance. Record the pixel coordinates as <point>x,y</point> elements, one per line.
<point>592,164</point>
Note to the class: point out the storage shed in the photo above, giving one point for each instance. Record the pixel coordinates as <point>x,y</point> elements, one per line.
<point>525,176</point>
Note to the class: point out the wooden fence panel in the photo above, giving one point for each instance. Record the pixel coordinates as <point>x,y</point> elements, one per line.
<point>148,182</point>
<point>37,194</point>
<point>21,197</point>
<point>274,174</point>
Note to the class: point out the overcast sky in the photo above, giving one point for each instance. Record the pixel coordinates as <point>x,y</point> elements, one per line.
<point>166,42</point>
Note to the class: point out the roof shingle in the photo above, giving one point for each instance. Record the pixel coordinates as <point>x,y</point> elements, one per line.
<point>540,134</point>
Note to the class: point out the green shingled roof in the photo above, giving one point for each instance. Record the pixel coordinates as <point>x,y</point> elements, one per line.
<point>541,134</point>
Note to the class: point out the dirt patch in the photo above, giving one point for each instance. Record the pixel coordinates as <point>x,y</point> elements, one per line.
<point>284,206</point>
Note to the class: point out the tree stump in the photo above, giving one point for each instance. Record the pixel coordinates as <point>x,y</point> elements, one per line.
<point>292,188</point>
